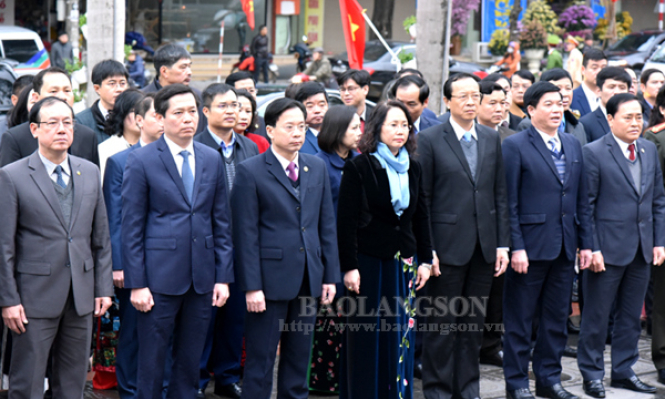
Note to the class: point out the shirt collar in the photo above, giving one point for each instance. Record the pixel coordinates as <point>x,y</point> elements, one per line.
<point>104,111</point>
<point>459,130</point>
<point>546,138</point>
<point>364,113</point>
<point>50,166</point>
<point>221,142</point>
<point>142,143</point>
<point>591,96</point>
<point>416,124</point>
<point>176,149</point>
<point>314,131</point>
<point>624,146</point>
<point>283,161</point>
<point>604,110</point>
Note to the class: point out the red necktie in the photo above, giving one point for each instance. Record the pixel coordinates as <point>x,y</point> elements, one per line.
<point>631,148</point>
<point>362,126</point>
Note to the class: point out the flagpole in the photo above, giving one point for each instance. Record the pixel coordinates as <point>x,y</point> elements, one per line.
<point>393,56</point>
<point>221,50</point>
<point>446,53</point>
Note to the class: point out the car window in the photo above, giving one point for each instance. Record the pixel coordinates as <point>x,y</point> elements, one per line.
<point>640,42</point>
<point>659,55</point>
<point>20,50</point>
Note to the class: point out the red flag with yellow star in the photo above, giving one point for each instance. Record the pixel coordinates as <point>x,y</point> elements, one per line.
<point>248,8</point>
<point>353,24</point>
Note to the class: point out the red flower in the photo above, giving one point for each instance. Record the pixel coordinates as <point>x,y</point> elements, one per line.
<point>411,322</point>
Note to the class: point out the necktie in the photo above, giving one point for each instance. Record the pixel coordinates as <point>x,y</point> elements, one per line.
<point>504,124</point>
<point>362,126</point>
<point>631,148</point>
<point>292,171</point>
<point>553,149</point>
<point>187,175</point>
<point>61,182</point>
<point>467,137</point>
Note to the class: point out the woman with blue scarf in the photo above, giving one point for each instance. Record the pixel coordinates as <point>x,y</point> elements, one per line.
<point>382,224</point>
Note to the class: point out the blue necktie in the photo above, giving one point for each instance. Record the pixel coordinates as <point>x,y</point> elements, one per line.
<point>187,175</point>
<point>61,181</point>
<point>467,137</point>
<point>556,153</point>
<point>562,126</point>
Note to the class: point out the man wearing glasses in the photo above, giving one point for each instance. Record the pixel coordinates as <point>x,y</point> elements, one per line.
<point>223,350</point>
<point>465,186</point>
<point>354,87</point>
<point>286,252</point>
<point>55,265</point>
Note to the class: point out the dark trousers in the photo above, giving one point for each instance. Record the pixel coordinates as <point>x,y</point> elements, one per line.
<point>185,318</point>
<point>450,361</point>
<point>68,336</point>
<point>545,291</point>
<point>261,65</point>
<point>628,285</point>
<point>262,334</point>
<point>493,332</point>
<point>658,318</point>
<point>222,353</point>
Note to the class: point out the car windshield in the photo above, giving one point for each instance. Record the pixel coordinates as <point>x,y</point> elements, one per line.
<point>637,42</point>
<point>659,55</point>
<point>20,50</point>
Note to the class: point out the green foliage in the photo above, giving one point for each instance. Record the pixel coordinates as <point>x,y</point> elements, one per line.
<point>533,36</point>
<point>540,11</point>
<point>405,57</point>
<point>499,42</point>
<point>73,67</point>
<point>83,19</point>
<point>408,22</point>
<point>78,95</point>
<point>128,49</point>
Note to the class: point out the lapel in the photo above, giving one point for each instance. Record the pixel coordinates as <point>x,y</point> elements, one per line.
<point>538,142</point>
<point>456,147</point>
<point>79,187</point>
<point>482,147</point>
<point>620,159</point>
<point>644,158</point>
<point>312,140</point>
<point>303,175</point>
<point>568,154</point>
<point>45,185</point>
<point>275,168</point>
<point>199,157</point>
<point>602,120</point>
<point>169,164</point>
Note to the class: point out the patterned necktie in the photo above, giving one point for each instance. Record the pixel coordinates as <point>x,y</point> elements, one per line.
<point>556,153</point>
<point>292,171</point>
<point>61,182</point>
<point>187,175</point>
<point>631,148</point>
<point>504,124</point>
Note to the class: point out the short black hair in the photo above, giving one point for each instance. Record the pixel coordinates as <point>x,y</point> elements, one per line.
<point>614,73</point>
<point>124,104</point>
<point>215,89</point>
<point>524,74</point>
<point>244,93</point>
<point>487,88</point>
<point>169,54</point>
<point>19,113</point>
<point>645,75</point>
<point>236,76</point>
<point>334,127</point>
<point>45,102</point>
<point>38,81</point>
<point>409,71</point>
<point>360,76</point>
<point>555,74</point>
<point>278,107</point>
<point>309,89</point>
<point>537,91</point>
<point>593,54</point>
<point>408,80</point>
<point>21,83</point>
<point>143,106</point>
<point>371,138</point>
<point>108,69</point>
<point>495,77</point>
<point>448,86</point>
<point>164,96</point>
<point>615,102</point>
<point>656,117</point>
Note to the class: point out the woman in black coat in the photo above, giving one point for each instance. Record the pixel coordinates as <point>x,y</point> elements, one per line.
<point>382,224</point>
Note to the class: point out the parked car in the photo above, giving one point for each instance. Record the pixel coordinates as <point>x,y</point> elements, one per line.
<point>377,61</point>
<point>334,98</point>
<point>657,60</point>
<point>635,49</point>
<point>23,49</point>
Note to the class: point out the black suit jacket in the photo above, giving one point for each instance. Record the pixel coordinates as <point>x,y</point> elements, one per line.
<point>595,125</point>
<point>154,87</point>
<point>18,143</point>
<point>514,122</point>
<point>464,212</point>
<point>366,220</point>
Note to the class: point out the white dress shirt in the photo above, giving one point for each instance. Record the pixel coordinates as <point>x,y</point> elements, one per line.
<point>285,162</point>
<point>109,148</point>
<point>50,169</point>
<point>176,150</point>
<point>103,110</point>
<point>416,124</point>
<point>591,97</point>
<point>459,130</point>
<point>546,138</point>
<point>624,147</point>
<point>314,131</point>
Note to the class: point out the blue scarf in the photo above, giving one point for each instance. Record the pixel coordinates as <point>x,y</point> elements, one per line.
<point>397,169</point>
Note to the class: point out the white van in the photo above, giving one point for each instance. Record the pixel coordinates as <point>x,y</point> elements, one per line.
<point>24,49</point>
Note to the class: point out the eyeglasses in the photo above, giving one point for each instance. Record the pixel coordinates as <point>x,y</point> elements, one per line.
<point>113,84</point>
<point>231,106</point>
<point>349,89</point>
<point>289,128</point>
<point>465,97</point>
<point>52,125</point>
<point>398,127</point>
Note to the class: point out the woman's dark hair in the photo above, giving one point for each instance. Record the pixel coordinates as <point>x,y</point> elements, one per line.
<point>656,117</point>
<point>124,105</point>
<point>244,93</point>
<point>19,113</point>
<point>142,107</point>
<point>372,135</point>
<point>334,127</point>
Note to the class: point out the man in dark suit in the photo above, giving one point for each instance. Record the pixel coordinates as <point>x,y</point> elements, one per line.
<point>173,65</point>
<point>651,81</point>
<point>585,97</point>
<point>18,142</point>
<point>549,217</point>
<point>126,361</point>
<point>244,80</point>
<point>628,217</point>
<point>286,252</point>
<point>176,244</point>
<point>464,184</point>
<point>413,92</point>
<point>509,120</point>
<point>315,99</point>
<point>223,350</point>
<point>55,265</point>
<point>354,87</point>
<point>610,81</point>
<point>520,83</point>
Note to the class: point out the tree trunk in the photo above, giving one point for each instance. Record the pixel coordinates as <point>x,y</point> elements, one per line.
<point>430,46</point>
<point>382,17</point>
<point>514,16</point>
<point>100,42</point>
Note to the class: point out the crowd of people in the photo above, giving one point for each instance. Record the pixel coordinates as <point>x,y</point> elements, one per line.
<point>366,244</point>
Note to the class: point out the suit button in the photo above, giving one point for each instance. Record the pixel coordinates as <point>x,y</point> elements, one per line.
<point>303,229</point>
<point>564,194</point>
<point>563,214</point>
<point>193,213</point>
<point>302,249</point>
<point>70,239</point>
<point>476,191</point>
<point>194,239</point>
<point>298,208</point>
<point>68,265</point>
<point>397,228</point>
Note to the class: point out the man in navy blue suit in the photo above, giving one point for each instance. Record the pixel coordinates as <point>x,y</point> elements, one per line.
<point>286,252</point>
<point>628,217</point>
<point>610,81</point>
<point>176,244</point>
<point>413,92</point>
<point>315,99</point>
<point>126,361</point>
<point>585,97</point>
<point>549,218</point>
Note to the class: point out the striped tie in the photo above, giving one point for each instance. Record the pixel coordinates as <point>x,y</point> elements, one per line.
<point>557,156</point>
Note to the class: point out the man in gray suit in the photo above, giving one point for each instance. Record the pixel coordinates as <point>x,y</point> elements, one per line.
<point>55,257</point>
